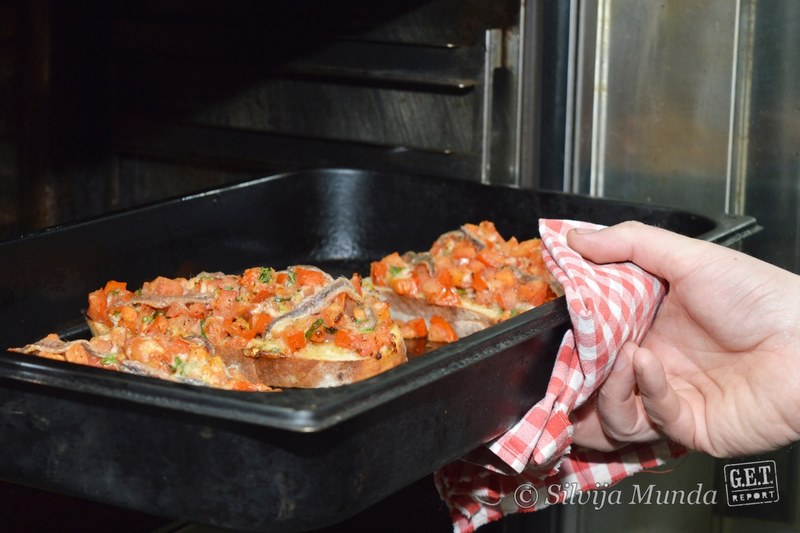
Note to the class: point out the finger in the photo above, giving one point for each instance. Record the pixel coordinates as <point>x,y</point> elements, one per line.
<point>619,408</point>
<point>665,408</point>
<point>588,429</point>
<point>653,249</point>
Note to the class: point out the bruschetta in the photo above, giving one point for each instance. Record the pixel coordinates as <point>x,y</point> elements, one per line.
<point>297,327</point>
<point>470,279</point>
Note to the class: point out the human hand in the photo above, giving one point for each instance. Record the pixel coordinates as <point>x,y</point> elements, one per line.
<point>719,369</point>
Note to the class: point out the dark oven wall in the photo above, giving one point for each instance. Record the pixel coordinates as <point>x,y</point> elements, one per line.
<point>112,104</point>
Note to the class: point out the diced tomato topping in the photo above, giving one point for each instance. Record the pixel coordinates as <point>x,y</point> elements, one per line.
<point>404,286</point>
<point>259,323</point>
<point>491,257</point>
<point>332,313</point>
<point>504,277</point>
<point>440,330</point>
<point>355,279</point>
<point>478,283</point>
<point>225,303</point>
<point>238,327</point>
<point>97,306</point>
<point>414,328</point>
<point>118,286</point>
<point>307,276</point>
<point>475,266</point>
<point>160,324</point>
<point>507,298</point>
<point>295,340</point>
<point>164,287</point>
<point>463,250</point>
<point>535,292</point>
<point>379,272</point>
<point>214,329</point>
<point>445,278</point>
<point>352,341</point>
<point>196,310</point>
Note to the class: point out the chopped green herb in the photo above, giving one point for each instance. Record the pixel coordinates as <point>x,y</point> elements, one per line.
<point>367,330</point>
<point>280,299</point>
<point>178,365</point>
<point>147,319</point>
<point>265,276</point>
<point>331,330</point>
<point>109,359</point>
<point>314,327</point>
<point>138,292</point>
<point>395,270</point>
<point>291,277</point>
<point>203,328</point>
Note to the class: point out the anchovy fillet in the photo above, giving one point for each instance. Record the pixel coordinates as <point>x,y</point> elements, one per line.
<point>317,302</point>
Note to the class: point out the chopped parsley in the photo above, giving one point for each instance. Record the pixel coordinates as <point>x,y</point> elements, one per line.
<point>147,319</point>
<point>109,359</point>
<point>203,328</point>
<point>395,270</point>
<point>265,275</point>
<point>291,277</point>
<point>178,365</point>
<point>314,327</point>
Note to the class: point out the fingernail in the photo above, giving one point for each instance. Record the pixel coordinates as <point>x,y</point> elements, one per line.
<point>585,231</point>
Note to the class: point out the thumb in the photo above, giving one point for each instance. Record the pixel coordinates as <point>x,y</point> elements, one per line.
<point>667,410</point>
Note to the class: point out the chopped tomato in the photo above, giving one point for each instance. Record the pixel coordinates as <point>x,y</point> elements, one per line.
<point>414,328</point>
<point>478,283</point>
<point>307,276</point>
<point>355,279</point>
<point>259,323</point>
<point>525,248</point>
<point>440,330</point>
<point>295,340</point>
<point>128,316</point>
<point>160,324</point>
<point>504,277</point>
<point>352,341</point>
<point>118,286</point>
<point>332,313</point>
<point>164,287</point>
<point>97,306</point>
<point>196,310</point>
<point>491,257</point>
<point>379,272</point>
<point>445,278</point>
<point>534,292</point>
<point>214,330</point>
<point>507,298</point>
<point>463,250</point>
<point>238,327</point>
<point>475,266</point>
<point>404,286</point>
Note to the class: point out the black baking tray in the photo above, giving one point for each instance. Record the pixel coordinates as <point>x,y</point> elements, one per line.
<point>298,459</point>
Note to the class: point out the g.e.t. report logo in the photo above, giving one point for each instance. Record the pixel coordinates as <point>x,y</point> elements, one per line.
<point>751,483</point>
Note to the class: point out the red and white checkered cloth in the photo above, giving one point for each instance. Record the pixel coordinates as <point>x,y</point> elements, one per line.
<point>532,465</point>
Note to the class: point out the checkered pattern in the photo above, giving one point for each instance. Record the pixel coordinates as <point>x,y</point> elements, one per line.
<point>532,465</point>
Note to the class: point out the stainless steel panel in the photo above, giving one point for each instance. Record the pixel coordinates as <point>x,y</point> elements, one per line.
<point>694,105</point>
